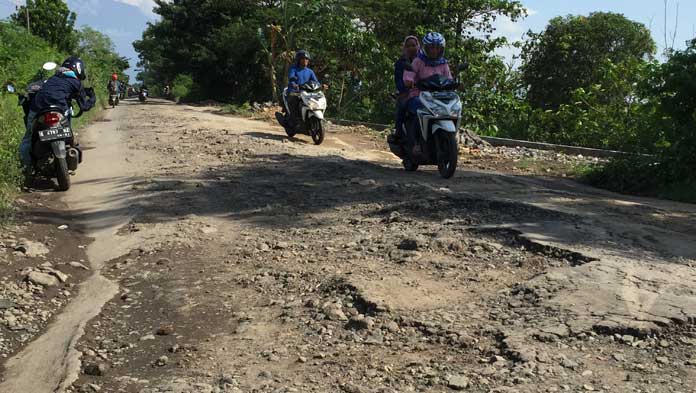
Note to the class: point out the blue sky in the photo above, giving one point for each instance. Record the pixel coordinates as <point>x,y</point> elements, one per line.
<point>649,12</point>
<point>124,20</point>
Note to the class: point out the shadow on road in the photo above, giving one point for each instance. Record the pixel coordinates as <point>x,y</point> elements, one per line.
<point>294,191</point>
<point>275,137</point>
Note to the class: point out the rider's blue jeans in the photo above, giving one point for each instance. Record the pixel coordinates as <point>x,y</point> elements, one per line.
<point>25,145</point>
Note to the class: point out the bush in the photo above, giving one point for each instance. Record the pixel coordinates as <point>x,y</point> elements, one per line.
<point>244,109</point>
<point>182,86</point>
<point>644,176</point>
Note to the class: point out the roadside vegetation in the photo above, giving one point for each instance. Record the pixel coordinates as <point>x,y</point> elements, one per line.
<point>21,57</point>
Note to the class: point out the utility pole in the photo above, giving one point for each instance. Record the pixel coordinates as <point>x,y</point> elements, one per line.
<point>28,25</point>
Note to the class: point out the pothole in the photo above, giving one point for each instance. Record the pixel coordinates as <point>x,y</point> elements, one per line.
<point>516,239</point>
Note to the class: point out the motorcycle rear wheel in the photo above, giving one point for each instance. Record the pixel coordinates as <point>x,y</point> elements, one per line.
<point>62,174</point>
<point>447,153</point>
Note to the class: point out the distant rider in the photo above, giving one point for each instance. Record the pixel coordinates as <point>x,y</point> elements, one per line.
<point>123,88</point>
<point>114,86</point>
<point>58,91</point>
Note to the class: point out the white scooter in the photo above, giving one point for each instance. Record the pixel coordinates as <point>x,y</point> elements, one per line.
<point>434,127</point>
<point>312,108</point>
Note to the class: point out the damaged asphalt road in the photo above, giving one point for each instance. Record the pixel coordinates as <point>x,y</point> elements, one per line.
<point>241,261</point>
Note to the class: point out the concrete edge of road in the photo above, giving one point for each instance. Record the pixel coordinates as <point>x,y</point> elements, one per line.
<point>571,150</point>
<point>505,142</point>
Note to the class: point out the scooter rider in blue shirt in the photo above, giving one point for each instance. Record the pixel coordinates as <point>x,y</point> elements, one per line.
<point>299,74</point>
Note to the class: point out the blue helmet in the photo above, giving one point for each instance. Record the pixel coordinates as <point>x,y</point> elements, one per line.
<point>302,54</point>
<point>434,39</point>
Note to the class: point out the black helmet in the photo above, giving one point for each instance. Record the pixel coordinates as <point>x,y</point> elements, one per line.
<point>301,54</point>
<point>76,64</point>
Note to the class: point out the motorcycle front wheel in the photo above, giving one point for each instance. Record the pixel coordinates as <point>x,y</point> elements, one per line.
<point>317,130</point>
<point>447,153</point>
<point>409,165</point>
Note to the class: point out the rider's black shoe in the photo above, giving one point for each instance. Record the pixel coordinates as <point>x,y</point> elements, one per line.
<point>393,139</point>
<point>28,179</point>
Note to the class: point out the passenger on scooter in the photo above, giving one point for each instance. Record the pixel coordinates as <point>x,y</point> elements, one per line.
<point>410,50</point>
<point>58,91</point>
<point>299,74</point>
<point>430,61</point>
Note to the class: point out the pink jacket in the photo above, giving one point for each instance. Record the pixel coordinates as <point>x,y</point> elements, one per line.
<point>423,71</point>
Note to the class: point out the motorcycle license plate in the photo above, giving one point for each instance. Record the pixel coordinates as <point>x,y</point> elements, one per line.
<point>53,134</point>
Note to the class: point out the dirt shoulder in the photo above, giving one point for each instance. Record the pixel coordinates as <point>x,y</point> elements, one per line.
<point>42,263</point>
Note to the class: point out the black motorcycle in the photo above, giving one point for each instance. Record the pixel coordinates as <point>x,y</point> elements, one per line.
<point>114,99</point>
<point>54,150</point>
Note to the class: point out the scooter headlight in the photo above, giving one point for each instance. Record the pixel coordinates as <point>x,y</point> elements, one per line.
<point>456,109</point>
<point>316,103</point>
<point>313,104</point>
<point>441,111</point>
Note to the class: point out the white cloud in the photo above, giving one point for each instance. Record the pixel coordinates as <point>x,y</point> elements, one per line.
<point>89,7</point>
<point>512,30</point>
<point>145,6</point>
<point>505,27</point>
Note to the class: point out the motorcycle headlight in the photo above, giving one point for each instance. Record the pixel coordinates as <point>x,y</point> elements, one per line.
<point>456,109</point>
<point>313,104</point>
<point>317,102</point>
<point>440,111</point>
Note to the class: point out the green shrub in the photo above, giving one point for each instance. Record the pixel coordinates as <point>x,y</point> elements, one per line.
<point>182,86</point>
<point>243,109</point>
<point>645,176</point>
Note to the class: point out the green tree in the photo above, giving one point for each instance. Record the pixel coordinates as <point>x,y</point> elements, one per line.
<point>51,20</point>
<point>99,53</point>
<point>572,51</point>
<point>240,51</point>
<point>674,85</point>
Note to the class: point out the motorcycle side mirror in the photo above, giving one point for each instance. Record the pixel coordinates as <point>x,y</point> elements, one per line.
<point>463,66</point>
<point>49,66</point>
<point>11,88</point>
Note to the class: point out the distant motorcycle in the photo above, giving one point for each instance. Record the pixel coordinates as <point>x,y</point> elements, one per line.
<point>312,107</point>
<point>54,150</point>
<point>434,127</point>
<point>113,99</point>
<point>143,95</point>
